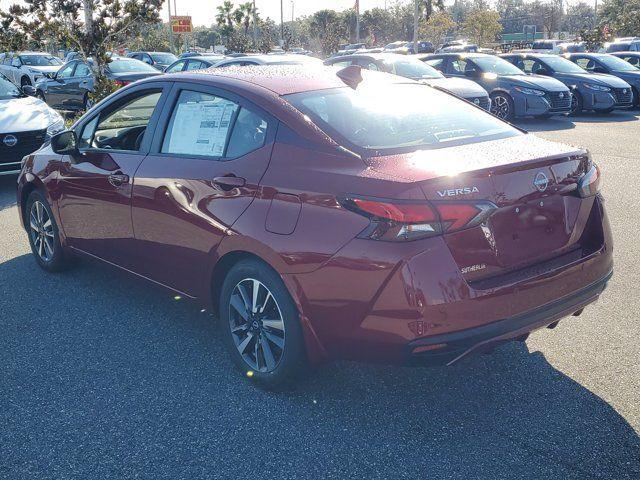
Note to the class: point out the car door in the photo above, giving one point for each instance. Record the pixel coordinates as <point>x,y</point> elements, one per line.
<point>58,89</point>
<point>81,83</point>
<point>210,151</point>
<point>94,188</point>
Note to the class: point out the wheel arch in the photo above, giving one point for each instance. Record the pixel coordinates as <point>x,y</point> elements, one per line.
<point>316,353</point>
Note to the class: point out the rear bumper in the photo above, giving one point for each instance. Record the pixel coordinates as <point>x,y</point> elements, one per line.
<point>451,347</point>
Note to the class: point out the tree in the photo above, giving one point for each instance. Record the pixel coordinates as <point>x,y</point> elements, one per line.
<point>91,27</point>
<point>483,26</point>
<point>437,27</point>
<point>579,17</point>
<point>244,15</point>
<point>551,16</point>
<point>225,18</point>
<point>621,16</point>
<point>326,26</point>
<point>378,23</point>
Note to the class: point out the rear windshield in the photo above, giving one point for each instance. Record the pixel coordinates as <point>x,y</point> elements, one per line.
<point>402,116</point>
<point>616,64</point>
<point>130,65</point>
<point>497,65</point>
<point>164,58</point>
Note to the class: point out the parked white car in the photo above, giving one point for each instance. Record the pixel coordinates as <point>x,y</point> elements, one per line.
<point>25,124</point>
<point>26,68</point>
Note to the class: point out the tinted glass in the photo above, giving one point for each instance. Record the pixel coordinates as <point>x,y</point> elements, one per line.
<point>124,127</point>
<point>66,72</point>
<point>195,65</point>
<point>249,133</point>
<point>615,63</point>
<point>40,60</point>
<point>562,65</point>
<point>412,68</point>
<point>496,65</point>
<point>163,58</point>
<point>177,67</point>
<point>406,115</point>
<point>130,65</point>
<point>82,70</point>
<point>199,125</point>
<point>8,90</point>
<point>619,47</point>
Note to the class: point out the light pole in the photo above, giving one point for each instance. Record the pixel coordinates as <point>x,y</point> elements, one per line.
<point>416,14</point>
<point>281,24</point>
<point>170,27</point>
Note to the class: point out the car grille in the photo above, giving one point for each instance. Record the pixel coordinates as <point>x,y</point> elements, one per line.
<point>621,97</point>
<point>482,102</point>
<point>559,104</point>
<point>26,143</point>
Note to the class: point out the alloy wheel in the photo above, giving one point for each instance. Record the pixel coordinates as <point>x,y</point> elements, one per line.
<point>500,107</point>
<point>41,229</point>
<point>257,325</point>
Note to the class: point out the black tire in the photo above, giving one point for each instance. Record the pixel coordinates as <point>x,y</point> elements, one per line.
<point>636,97</point>
<point>545,116</point>
<point>291,358</point>
<point>54,259</point>
<point>502,106</point>
<point>25,81</point>
<point>577,104</point>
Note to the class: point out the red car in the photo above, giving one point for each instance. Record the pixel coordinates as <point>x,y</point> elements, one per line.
<point>325,214</point>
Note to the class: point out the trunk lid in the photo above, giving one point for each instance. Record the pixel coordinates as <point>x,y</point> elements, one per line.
<point>532,183</point>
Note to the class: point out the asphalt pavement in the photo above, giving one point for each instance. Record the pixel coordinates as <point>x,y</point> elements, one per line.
<point>104,377</point>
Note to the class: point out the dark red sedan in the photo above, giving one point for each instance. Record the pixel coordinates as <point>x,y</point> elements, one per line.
<point>325,214</point>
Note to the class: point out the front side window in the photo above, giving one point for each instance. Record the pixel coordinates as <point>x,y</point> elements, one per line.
<point>176,67</point>
<point>67,71</point>
<point>195,65</point>
<point>249,133</point>
<point>406,116</point>
<point>199,125</point>
<point>124,127</point>
<point>82,70</point>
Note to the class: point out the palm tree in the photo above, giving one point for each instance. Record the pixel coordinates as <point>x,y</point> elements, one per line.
<point>224,18</point>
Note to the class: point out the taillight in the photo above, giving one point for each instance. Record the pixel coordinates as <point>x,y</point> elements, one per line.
<point>403,220</point>
<point>590,183</point>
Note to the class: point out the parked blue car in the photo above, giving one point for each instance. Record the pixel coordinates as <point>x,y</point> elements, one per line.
<point>631,57</point>
<point>612,65</point>
<point>513,93</point>
<point>589,91</point>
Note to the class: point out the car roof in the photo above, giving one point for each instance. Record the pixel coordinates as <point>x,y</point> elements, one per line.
<point>204,58</point>
<point>528,54</point>
<point>280,79</point>
<point>275,58</point>
<point>457,54</point>
<point>631,54</point>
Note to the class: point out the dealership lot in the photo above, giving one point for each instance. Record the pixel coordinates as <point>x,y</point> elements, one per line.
<point>103,377</point>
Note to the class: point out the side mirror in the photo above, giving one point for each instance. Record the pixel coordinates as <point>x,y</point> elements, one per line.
<point>65,143</point>
<point>29,90</point>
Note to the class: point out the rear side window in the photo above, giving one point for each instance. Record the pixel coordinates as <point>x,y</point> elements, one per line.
<point>206,125</point>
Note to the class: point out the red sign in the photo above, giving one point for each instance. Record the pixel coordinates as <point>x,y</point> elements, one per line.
<point>181,24</point>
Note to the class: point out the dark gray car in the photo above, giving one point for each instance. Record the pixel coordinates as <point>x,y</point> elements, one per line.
<point>590,91</point>
<point>196,62</point>
<point>158,60</point>
<point>69,87</point>
<point>612,65</point>
<point>413,68</point>
<point>632,57</point>
<point>513,93</point>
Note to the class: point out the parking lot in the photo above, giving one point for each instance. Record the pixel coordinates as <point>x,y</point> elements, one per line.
<point>103,377</point>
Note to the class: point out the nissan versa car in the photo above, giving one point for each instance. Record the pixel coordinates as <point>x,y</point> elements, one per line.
<point>26,68</point>
<point>512,92</point>
<point>413,68</point>
<point>325,214</point>
<point>25,124</point>
<point>627,92</point>
<point>589,91</point>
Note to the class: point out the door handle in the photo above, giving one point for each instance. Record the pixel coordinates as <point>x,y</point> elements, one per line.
<point>118,179</point>
<point>229,181</point>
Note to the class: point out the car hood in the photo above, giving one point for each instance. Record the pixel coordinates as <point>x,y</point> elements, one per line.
<point>535,81</point>
<point>52,69</point>
<point>23,114</point>
<point>458,86</point>
<point>596,78</point>
<point>629,77</point>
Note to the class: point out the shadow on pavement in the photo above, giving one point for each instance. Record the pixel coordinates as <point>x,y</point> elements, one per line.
<point>103,377</point>
<point>613,117</point>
